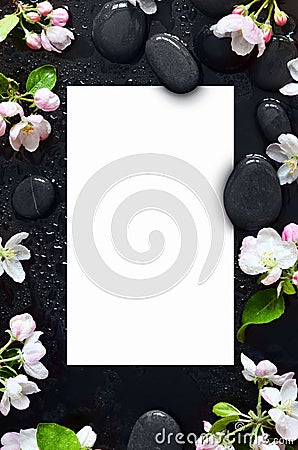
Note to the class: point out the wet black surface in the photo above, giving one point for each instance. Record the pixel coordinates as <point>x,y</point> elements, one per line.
<point>111,399</point>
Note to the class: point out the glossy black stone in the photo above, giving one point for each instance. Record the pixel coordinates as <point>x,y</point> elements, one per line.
<point>120,31</point>
<point>173,64</point>
<point>216,8</point>
<point>252,195</point>
<point>152,432</point>
<point>273,119</point>
<point>34,197</point>
<point>270,71</point>
<point>217,53</point>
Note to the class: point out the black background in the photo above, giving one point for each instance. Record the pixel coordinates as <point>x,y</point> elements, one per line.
<point>111,398</point>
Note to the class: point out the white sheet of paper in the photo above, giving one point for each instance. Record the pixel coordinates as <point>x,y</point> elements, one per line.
<point>148,145</point>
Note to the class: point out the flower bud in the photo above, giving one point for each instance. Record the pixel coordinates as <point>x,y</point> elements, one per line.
<point>240,9</point>
<point>290,233</point>
<point>33,17</point>
<point>59,17</point>
<point>46,100</point>
<point>33,41</point>
<point>280,18</point>
<point>267,32</point>
<point>295,279</point>
<point>2,126</point>
<point>44,8</point>
<point>22,326</point>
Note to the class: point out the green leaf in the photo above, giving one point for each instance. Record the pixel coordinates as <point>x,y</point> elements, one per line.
<point>225,409</point>
<point>222,424</point>
<point>7,24</point>
<point>42,77</point>
<point>289,288</point>
<point>262,307</point>
<point>4,84</point>
<point>51,436</point>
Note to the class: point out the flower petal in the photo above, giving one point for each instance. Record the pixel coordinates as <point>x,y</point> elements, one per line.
<point>38,370</point>
<point>14,269</point>
<point>28,440</point>
<point>5,404</point>
<point>16,239</point>
<point>87,437</point>
<point>288,391</point>
<point>286,254</point>
<point>267,241</point>
<point>251,32</point>
<point>31,141</point>
<point>272,277</point>
<point>289,143</point>
<point>288,428</point>
<point>275,152</point>
<point>285,176</point>
<point>148,6</point>
<point>30,388</point>
<point>11,439</point>
<point>289,89</point>
<point>293,68</point>
<point>279,380</point>
<point>265,369</point>
<point>21,252</point>
<point>271,395</point>
<point>20,402</point>
<point>249,366</point>
<point>240,45</point>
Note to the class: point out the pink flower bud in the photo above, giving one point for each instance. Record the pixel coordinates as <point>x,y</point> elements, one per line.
<point>59,17</point>
<point>280,18</point>
<point>241,10</point>
<point>290,233</point>
<point>34,17</point>
<point>295,278</point>
<point>2,126</point>
<point>267,33</point>
<point>44,8</point>
<point>33,41</point>
<point>22,326</point>
<point>46,100</point>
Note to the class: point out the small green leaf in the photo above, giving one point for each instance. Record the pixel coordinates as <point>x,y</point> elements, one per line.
<point>289,288</point>
<point>7,24</point>
<point>51,436</point>
<point>225,409</point>
<point>42,77</point>
<point>4,84</point>
<point>222,424</point>
<point>262,307</point>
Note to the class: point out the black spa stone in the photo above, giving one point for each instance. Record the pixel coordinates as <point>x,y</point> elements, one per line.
<point>252,195</point>
<point>155,430</point>
<point>273,119</point>
<point>270,71</point>
<point>216,8</point>
<point>217,53</point>
<point>173,64</point>
<point>34,197</point>
<point>120,31</point>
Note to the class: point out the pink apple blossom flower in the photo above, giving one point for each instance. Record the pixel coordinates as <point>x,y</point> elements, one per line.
<point>16,393</point>
<point>240,9</point>
<point>22,326</point>
<point>290,233</point>
<point>265,370</point>
<point>245,34</point>
<point>210,441</point>
<point>285,152</point>
<point>11,255</point>
<point>11,441</point>
<point>29,132</point>
<point>2,126</point>
<point>33,40</point>
<point>295,278</point>
<point>32,353</point>
<point>56,39</point>
<point>87,437</point>
<point>33,17</point>
<point>267,254</point>
<point>285,409</point>
<point>59,17</point>
<point>291,88</point>
<point>46,100</point>
<point>267,32</point>
<point>280,18</point>
<point>10,109</point>
<point>44,8</point>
